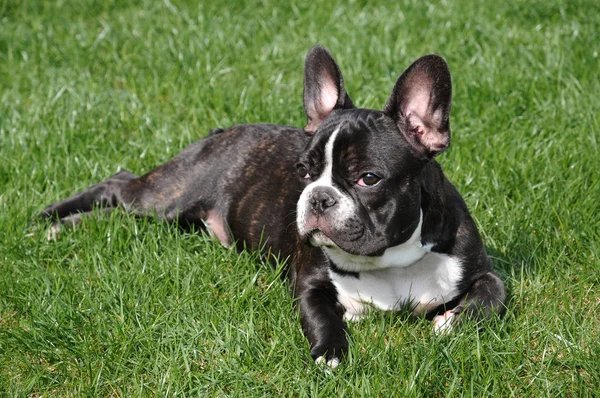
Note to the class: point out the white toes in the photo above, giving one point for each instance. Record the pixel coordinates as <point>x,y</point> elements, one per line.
<point>442,324</point>
<point>350,317</point>
<point>330,364</point>
<point>53,232</point>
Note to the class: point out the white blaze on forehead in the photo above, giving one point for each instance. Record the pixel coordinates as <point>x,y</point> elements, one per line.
<point>325,178</point>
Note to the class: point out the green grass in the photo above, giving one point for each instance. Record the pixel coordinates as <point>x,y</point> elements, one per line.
<point>127,307</point>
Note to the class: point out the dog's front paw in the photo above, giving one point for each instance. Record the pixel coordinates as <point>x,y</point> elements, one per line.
<point>353,317</point>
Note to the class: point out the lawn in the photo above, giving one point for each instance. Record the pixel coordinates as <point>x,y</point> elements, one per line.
<point>127,307</point>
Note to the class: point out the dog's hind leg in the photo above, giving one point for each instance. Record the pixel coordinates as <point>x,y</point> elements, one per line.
<point>107,194</point>
<point>484,299</point>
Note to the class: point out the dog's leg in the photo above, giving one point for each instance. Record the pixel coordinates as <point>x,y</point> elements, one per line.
<point>323,324</point>
<point>484,299</point>
<point>320,311</point>
<point>106,194</point>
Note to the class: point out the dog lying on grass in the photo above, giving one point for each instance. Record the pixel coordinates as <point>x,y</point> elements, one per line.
<point>355,201</point>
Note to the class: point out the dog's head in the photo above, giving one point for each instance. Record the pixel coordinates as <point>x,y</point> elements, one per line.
<point>363,167</point>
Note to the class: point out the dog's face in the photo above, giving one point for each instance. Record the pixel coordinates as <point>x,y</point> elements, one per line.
<point>362,167</point>
<point>363,192</point>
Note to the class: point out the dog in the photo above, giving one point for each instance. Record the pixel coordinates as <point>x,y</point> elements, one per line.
<point>355,202</point>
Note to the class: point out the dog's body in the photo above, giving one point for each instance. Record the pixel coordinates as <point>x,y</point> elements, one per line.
<point>354,201</point>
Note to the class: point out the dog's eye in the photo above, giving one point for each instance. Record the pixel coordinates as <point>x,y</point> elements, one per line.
<point>368,180</point>
<point>302,171</point>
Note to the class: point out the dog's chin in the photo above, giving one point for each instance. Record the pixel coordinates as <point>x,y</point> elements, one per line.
<point>318,239</point>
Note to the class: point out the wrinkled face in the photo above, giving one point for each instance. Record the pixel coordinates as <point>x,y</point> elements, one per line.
<point>363,189</point>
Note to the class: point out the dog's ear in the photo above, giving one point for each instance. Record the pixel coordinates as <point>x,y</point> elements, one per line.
<point>323,88</point>
<point>420,104</point>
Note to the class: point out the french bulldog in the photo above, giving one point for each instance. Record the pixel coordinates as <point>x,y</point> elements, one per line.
<point>355,202</point>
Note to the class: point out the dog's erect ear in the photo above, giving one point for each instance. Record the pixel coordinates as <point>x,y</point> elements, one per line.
<point>323,87</point>
<point>420,104</point>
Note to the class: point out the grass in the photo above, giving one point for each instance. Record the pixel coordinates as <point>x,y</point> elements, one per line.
<point>126,307</point>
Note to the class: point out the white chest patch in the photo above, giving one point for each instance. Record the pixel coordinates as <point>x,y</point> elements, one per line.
<point>426,284</point>
<point>406,275</point>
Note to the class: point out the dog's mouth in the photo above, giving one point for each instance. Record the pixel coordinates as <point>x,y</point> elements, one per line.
<point>315,232</point>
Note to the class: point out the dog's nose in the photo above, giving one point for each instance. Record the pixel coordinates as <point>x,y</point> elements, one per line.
<point>322,200</point>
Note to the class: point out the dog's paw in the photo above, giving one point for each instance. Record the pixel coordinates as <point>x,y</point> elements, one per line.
<point>443,324</point>
<point>53,231</point>
<point>352,317</point>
